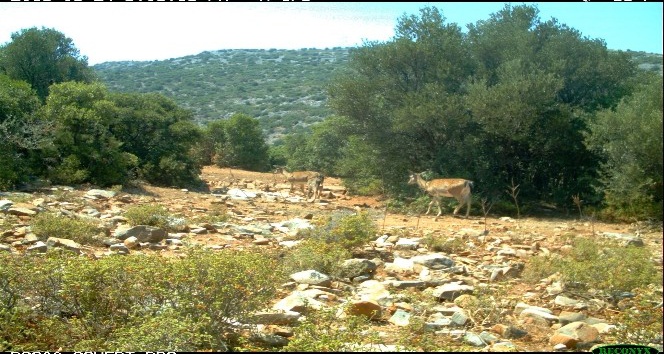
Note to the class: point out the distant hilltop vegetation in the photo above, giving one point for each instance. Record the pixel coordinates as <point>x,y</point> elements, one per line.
<point>284,89</point>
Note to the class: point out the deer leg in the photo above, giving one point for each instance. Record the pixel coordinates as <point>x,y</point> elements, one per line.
<point>430,203</point>
<point>440,211</point>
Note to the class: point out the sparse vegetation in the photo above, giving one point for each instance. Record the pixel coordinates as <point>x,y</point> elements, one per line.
<point>346,231</point>
<point>601,265</point>
<point>84,232</point>
<point>148,214</point>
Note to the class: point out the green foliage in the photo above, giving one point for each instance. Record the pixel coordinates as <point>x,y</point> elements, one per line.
<point>604,266</point>
<point>449,245</point>
<point>21,133</point>
<point>317,254</point>
<point>83,145</point>
<point>148,214</point>
<point>166,331</point>
<point>346,231</point>
<point>161,135</point>
<point>630,140</point>
<point>52,58</point>
<point>323,331</point>
<point>283,89</point>
<point>243,145</point>
<point>502,103</point>
<point>132,302</point>
<point>641,323</point>
<point>217,213</point>
<point>84,232</point>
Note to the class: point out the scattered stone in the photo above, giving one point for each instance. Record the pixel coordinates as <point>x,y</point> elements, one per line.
<point>400,318</point>
<point>369,309</point>
<point>451,291</point>
<point>312,277</point>
<point>64,243</point>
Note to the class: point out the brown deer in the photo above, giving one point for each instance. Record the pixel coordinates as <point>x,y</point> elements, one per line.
<point>315,187</point>
<point>302,178</point>
<point>457,188</point>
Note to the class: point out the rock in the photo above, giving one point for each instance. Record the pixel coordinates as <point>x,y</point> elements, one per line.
<point>580,331</point>
<point>451,291</point>
<point>373,290</point>
<point>434,261</point>
<point>567,341</point>
<point>352,268</point>
<point>131,243</point>
<point>568,317</point>
<point>19,211</point>
<point>370,309</point>
<point>312,277</point>
<point>99,194</point>
<point>400,318</point>
<point>39,246</point>
<point>277,318</point>
<point>474,339</point>
<point>537,314</point>
<point>297,302</point>
<point>64,243</point>
<point>143,233</point>
<point>119,248</point>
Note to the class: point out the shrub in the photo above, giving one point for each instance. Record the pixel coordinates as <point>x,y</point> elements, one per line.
<point>347,231</point>
<point>149,214</point>
<point>323,331</point>
<point>217,213</point>
<point>47,225</point>
<point>641,323</point>
<point>133,302</point>
<point>316,254</point>
<point>438,244</point>
<point>600,265</point>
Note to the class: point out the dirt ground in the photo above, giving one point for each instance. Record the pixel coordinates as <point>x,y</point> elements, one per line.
<point>334,197</point>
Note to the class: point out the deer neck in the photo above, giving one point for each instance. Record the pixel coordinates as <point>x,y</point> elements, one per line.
<point>421,182</point>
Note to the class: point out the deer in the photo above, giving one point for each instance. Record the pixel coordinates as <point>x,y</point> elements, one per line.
<point>303,178</point>
<point>315,187</point>
<point>457,188</point>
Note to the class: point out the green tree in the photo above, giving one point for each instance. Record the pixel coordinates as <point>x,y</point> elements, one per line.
<point>630,140</point>
<point>21,132</point>
<point>401,96</point>
<point>160,134</point>
<point>502,103</point>
<point>84,148</point>
<point>42,57</point>
<point>244,145</point>
<point>214,138</point>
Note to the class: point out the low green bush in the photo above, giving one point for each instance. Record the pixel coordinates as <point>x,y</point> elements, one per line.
<point>345,230</point>
<point>133,302</point>
<point>148,214</point>
<point>316,254</point>
<point>84,232</point>
<point>598,264</point>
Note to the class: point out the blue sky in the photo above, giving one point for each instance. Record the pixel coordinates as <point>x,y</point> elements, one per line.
<point>106,31</point>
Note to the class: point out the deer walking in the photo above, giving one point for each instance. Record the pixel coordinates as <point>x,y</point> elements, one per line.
<point>457,188</point>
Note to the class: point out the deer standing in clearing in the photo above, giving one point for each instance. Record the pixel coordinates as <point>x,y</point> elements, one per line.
<point>313,180</point>
<point>457,188</point>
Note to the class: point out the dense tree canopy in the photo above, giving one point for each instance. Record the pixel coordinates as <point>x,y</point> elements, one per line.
<point>42,57</point>
<point>508,102</point>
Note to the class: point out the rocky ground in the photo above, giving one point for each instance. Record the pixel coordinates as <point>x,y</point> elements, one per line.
<point>541,317</point>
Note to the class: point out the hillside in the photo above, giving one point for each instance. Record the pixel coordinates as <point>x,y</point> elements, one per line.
<point>284,89</point>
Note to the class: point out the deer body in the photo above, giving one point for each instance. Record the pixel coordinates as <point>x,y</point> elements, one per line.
<point>313,181</point>
<point>457,188</point>
<point>314,187</point>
